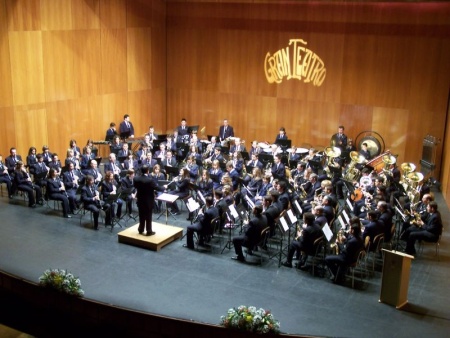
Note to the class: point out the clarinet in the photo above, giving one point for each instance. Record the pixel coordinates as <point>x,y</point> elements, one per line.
<point>61,184</point>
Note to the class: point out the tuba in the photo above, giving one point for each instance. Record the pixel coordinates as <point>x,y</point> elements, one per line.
<point>331,152</point>
<point>387,160</point>
<point>353,174</point>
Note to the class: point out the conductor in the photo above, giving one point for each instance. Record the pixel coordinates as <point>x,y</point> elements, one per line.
<point>145,187</point>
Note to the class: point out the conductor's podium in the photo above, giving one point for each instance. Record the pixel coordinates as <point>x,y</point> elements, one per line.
<point>164,234</point>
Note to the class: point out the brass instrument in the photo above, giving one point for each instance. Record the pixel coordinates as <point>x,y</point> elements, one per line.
<point>340,237</point>
<point>331,152</point>
<point>353,174</point>
<point>302,192</point>
<point>413,180</point>
<point>388,160</point>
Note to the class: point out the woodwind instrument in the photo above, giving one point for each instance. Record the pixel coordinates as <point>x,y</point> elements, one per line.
<point>62,186</point>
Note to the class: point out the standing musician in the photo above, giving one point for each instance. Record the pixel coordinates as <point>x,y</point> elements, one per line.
<point>72,180</point>
<point>205,184</point>
<point>278,170</point>
<point>57,191</point>
<point>255,162</point>
<point>108,188</point>
<point>216,174</point>
<point>183,130</point>
<point>55,164</point>
<point>281,135</point>
<point>129,190</point>
<point>204,225</point>
<point>91,201</point>
<point>86,158</point>
<point>182,188</point>
<point>31,159</point>
<point>252,235</point>
<point>110,132</point>
<point>304,242</point>
<point>339,139</point>
<point>23,183</point>
<point>225,131</point>
<point>126,129</point>
<point>5,178</point>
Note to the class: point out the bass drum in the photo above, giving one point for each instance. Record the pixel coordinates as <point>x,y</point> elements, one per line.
<point>375,143</point>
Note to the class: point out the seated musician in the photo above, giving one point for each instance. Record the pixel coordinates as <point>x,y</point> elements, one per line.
<point>86,158</point>
<point>298,172</point>
<point>129,190</point>
<point>364,151</point>
<point>192,167</point>
<point>428,230</point>
<point>213,146</point>
<point>116,145</point>
<point>416,211</point>
<point>328,209</point>
<point>90,144</point>
<point>385,216</point>
<point>319,213</point>
<point>109,188</point>
<point>255,162</point>
<point>216,174</point>
<point>338,264</point>
<point>94,172</point>
<point>373,227</point>
<point>114,166</point>
<point>72,180</point>
<point>74,147</point>
<point>48,156</point>
<point>194,141</point>
<point>254,185</point>
<point>40,171</point>
<point>31,159</point>
<point>303,245</point>
<point>123,152</point>
<point>238,146</point>
<point>238,162</point>
<point>151,133</point>
<point>130,162</point>
<point>278,170</point>
<point>350,146</point>
<point>56,191</point>
<point>265,187</point>
<point>234,175</point>
<point>193,152</point>
<point>23,183</point>
<point>91,201</point>
<point>272,211</point>
<point>169,161</point>
<point>181,188</point>
<point>147,142</point>
<point>311,192</point>
<point>110,132</point>
<point>149,161</point>
<point>203,227</point>
<point>293,155</point>
<point>71,158</point>
<point>161,153</point>
<point>255,149</point>
<point>5,178</point>
<point>205,184</point>
<point>12,160</point>
<point>252,235</point>
<point>55,163</point>
<point>216,156</point>
<point>283,199</point>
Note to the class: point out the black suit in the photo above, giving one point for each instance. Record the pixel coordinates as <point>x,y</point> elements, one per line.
<point>430,232</point>
<point>10,162</point>
<point>110,133</point>
<point>339,263</point>
<point>87,197</point>
<point>146,187</point>
<point>23,184</point>
<point>202,227</point>
<point>225,132</point>
<point>126,129</point>
<point>55,193</point>
<point>372,229</point>
<point>340,140</point>
<point>252,236</point>
<point>278,171</point>
<point>304,243</point>
<point>128,189</point>
<point>5,178</point>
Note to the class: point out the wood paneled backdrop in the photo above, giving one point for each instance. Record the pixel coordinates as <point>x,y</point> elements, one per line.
<point>69,67</point>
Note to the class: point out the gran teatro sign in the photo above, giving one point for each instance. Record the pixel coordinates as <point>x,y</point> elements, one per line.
<point>295,62</point>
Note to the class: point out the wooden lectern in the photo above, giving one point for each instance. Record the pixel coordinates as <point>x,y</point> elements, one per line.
<point>395,279</point>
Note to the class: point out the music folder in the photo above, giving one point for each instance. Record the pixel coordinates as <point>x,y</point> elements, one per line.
<point>245,155</point>
<point>327,232</point>
<point>192,204</point>
<point>283,225</point>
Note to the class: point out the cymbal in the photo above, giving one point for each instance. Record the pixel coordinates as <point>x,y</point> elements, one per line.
<point>291,150</point>
<point>301,150</point>
<point>408,167</point>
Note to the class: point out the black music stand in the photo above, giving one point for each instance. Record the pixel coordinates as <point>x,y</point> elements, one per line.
<point>230,228</point>
<point>335,171</point>
<point>292,164</point>
<point>245,155</point>
<point>124,195</point>
<point>284,144</point>
<point>162,137</point>
<point>193,129</point>
<point>111,200</point>
<point>172,171</point>
<point>125,135</point>
<point>315,165</point>
<point>166,198</point>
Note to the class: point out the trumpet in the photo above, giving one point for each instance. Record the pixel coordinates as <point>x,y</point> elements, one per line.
<point>340,238</point>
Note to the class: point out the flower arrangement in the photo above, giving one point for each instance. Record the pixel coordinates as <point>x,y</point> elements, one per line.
<point>250,319</point>
<point>62,281</point>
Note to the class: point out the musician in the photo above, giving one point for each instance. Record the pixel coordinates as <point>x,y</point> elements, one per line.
<point>91,201</point>
<point>23,183</point>
<point>281,135</point>
<point>385,216</point>
<point>283,199</point>
<point>55,163</point>
<point>48,156</point>
<point>373,228</point>
<point>86,158</point>
<point>74,147</point>
<point>72,180</point>
<point>128,189</point>
<point>293,155</point>
<point>234,175</point>
<point>157,175</point>
<point>328,192</point>
<point>238,162</point>
<point>11,161</point>
<point>114,166</point>
<point>254,149</point>
<point>278,170</point>
<point>183,130</point>
<point>71,158</point>
<point>254,185</point>
<point>142,152</point>
<point>149,161</point>
<point>126,129</point>
<point>123,152</point>
<point>94,172</point>
<point>238,146</point>
<point>311,189</point>
<point>265,188</point>
<point>116,146</point>
<point>192,168</point>
<point>304,244</point>
<point>328,209</point>
<point>109,188</point>
<point>339,139</point>
<point>364,151</point>
<point>419,209</point>
<point>90,144</point>
<point>151,134</point>
<point>182,189</point>
<point>216,174</point>
<point>213,145</point>
<point>252,235</point>
<point>338,264</point>
<point>204,225</point>
<point>271,211</point>
<point>110,132</point>
<point>130,162</point>
<point>31,159</point>
<point>40,171</point>
<point>161,153</point>
<point>298,172</point>
<point>255,162</point>
<point>169,161</point>
<point>205,184</point>
<point>194,141</point>
<point>171,145</point>
<point>57,191</point>
<point>350,146</point>
<point>225,131</point>
<point>193,152</point>
<point>428,230</point>
<point>5,178</point>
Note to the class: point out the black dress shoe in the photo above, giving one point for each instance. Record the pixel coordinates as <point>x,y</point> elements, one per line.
<point>33,206</point>
<point>151,233</point>
<point>238,258</point>
<point>141,232</point>
<point>96,228</point>
<point>67,216</point>
<point>287,264</point>
<point>186,246</point>
<point>249,252</point>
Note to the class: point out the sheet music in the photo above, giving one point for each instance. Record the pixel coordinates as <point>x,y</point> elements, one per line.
<point>167,197</point>
<point>233,211</point>
<point>292,217</point>
<point>284,224</point>
<point>299,208</point>
<point>192,204</point>
<point>250,202</point>
<point>201,196</point>
<point>327,232</point>
<point>349,203</point>
<point>347,219</point>
<point>401,213</point>
<point>341,222</point>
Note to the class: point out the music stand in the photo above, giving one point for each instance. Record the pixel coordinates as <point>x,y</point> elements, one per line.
<point>292,164</point>
<point>172,171</point>
<point>124,135</point>
<point>193,129</point>
<point>111,200</point>
<point>315,165</point>
<point>284,144</point>
<point>265,158</point>
<point>230,213</point>
<point>124,195</point>
<point>166,198</point>
<point>245,155</point>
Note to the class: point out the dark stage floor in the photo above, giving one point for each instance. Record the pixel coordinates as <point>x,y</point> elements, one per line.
<point>202,286</point>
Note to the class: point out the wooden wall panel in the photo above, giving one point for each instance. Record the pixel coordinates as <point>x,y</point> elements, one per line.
<point>7,130</point>
<point>56,15</point>
<point>86,63</point>
<point>139,56</point>
<point>114,60</point>
<point>86,14</point>
<point>58,50</point>
<point>6,97</point>
<point>139,13</point>
<point>113,13</point>
<point>140,108</point>
<point>31,129</point>
<point>23,15</point>
<point>26,67</point>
